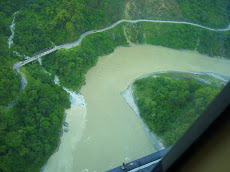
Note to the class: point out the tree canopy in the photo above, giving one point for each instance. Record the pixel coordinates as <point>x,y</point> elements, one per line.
<point>30,120</point>
<point>170,105</point>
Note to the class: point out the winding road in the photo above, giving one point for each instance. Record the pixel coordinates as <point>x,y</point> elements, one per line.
<point>76,43</point>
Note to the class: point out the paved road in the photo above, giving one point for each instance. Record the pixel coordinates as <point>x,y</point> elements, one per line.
<point>76,43</point>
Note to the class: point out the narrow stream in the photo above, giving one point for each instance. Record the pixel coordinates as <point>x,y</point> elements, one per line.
<point>12,27</point>
<point>106,132</point>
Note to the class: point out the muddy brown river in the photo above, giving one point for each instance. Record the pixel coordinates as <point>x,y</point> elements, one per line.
<point>106,132</point>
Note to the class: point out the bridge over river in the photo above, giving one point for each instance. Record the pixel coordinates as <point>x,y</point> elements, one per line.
<point>76,43</point>
<point>150,160</point>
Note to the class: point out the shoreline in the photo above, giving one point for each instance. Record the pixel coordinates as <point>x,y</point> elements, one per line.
<point>129,99</point>
<point>77,42</point>
<point>136,75</point>
<point>128,96</point>
<point>59,142</point>
<point>63,152</point>
<point>75,99</point>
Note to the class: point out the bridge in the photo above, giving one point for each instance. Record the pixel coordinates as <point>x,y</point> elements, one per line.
<point>76,43</point>
<point>36,56</point>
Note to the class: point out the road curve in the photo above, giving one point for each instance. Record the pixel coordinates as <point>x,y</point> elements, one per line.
<point>76,43</point>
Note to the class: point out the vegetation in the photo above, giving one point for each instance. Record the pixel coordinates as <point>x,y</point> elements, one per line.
<point>212,13</point>
<point>180,36</point>
<point>43,24</point>
<point>30,130</point>
<point>206,12</point>
<point>71,65</point>
<point>169,105</point>
<point>10,83</point>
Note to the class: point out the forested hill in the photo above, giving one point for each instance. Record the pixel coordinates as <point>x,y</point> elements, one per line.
<point>212,13</point>
<point>30,120</point>
<point>30,130</point>
<point>41,23</point>
<point>170,102</point>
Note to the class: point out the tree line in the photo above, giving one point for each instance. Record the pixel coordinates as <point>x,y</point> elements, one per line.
<point>72,64</point>
<point>180,36</point>
<point>30,130</point>
<point>169,105</point>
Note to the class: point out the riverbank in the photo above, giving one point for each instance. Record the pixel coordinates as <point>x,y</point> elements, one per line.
<point>76,43</point>
<point>68,133</point>
<point>205,78</point>
<point>38,92</point>
<point>129,98</point>
<point>113,133</point>
<point>63,159</point>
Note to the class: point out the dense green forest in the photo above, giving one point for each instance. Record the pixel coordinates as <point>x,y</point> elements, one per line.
<point>212,13</point>
<point>30,127</point>
<point>71,65</point>
<point>41,24</point>
<point>10,83</point>
<point>180,36</point>
<point>49,23</point>
<point>169,105</point>
<point>30,130</point>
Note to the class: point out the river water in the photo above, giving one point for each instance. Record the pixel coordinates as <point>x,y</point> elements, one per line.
<point>106,132</point>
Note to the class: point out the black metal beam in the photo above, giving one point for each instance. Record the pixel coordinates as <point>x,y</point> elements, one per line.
<point>142,161</point>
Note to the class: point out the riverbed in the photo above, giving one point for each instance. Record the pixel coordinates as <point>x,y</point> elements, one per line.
<point>106,132</point>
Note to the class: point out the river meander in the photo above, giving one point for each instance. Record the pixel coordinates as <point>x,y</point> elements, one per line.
<point>107,132</point>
